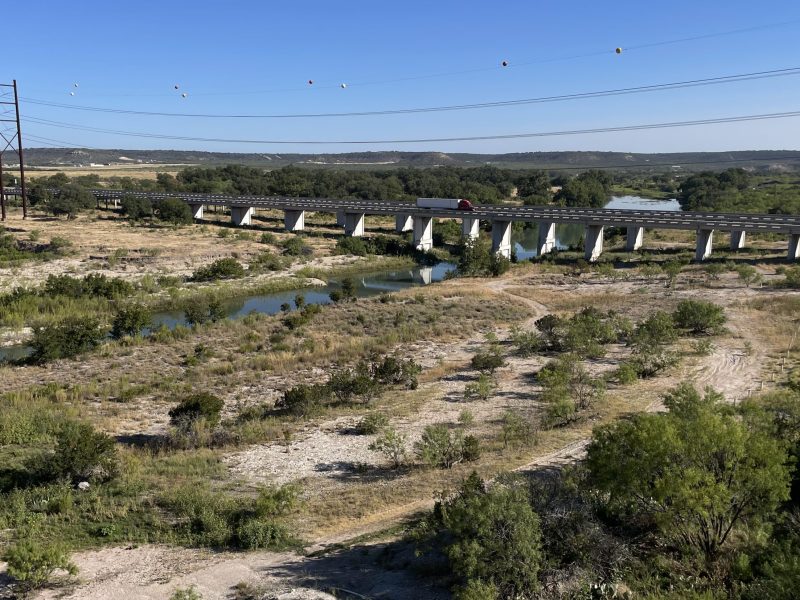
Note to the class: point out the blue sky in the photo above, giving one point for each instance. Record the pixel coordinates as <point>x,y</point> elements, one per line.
<point>255,57</point>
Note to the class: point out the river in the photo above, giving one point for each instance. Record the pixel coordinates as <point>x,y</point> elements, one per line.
<point>372,284</point>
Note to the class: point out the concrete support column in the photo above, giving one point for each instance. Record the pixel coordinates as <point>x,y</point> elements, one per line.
<point>501,238</point>
<point>593,242</point>
<point>340,218</point>
<point>423,233</point>
<point>705,238</point>
<point>403,223</point>
<point>242,215</point>
<point>294,220</point>
<point>547,238</point>
<point>794,246</point>
<point>197,211</point>
<point>737,240</point>
<point>635,238</point>
<point>470,228</point>
<point>354,224</point>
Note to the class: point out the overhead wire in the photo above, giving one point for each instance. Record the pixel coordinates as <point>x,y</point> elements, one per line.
<point>620,128</point>
<point>690,83</point>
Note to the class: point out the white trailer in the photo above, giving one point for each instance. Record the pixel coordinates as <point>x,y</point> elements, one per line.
<point>447,203</point>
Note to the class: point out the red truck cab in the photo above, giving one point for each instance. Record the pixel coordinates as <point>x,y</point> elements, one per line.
<point>465,205</point>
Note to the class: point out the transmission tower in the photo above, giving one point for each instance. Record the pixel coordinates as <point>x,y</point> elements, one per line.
<point>11,140</point>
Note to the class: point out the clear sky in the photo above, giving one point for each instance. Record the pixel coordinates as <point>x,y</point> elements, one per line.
<point>253,56</point>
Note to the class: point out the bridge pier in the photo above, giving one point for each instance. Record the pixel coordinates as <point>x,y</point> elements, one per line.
<point>501,238</point>
<point>197,211</point>
<point>794,246</point>
<point>423,233</point>
<point>547,238</point>
<point>635,238</point>
<point>705,239</point>
<point>294,220</point>
<point>242,215</point>
<point>340,218</point>
<point>354,224</point>
<point>470,228</point>
<point>403,223</point>
<point>737,239</point>
<point>593,242</point>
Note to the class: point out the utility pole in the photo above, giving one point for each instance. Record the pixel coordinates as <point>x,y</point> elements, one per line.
<point>14,142</point>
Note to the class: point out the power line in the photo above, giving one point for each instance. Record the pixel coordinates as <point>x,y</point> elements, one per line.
<point>457,107</point>
<point>638,127</point>
<point>320,84</point>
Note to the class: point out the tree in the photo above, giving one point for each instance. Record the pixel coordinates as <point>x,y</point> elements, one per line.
<point>695,472</point>
<point>440,447</point>
<point>70,200</point>
<point>130,320</point>
<point>136,208</point>
<point>174,211</point>
<point>699,316</point>
<point>495,539</point>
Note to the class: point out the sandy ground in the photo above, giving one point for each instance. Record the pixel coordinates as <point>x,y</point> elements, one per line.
<point>151,572</point>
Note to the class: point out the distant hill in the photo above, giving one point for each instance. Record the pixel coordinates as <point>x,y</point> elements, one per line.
<point>766,160</point>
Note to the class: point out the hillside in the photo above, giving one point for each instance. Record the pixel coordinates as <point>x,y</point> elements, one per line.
<point>774,160</point>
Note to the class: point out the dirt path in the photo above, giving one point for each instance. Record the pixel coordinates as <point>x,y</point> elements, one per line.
<point>153,572</point>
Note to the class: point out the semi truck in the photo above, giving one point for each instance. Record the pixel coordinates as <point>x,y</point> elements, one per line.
<point>447,203</point>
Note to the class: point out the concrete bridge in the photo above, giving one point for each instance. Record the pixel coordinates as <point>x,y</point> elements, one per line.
<point>351,214</point>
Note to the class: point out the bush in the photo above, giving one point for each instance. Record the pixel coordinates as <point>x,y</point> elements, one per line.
<point>70,200</point>
<point>517,430</point>
<point>195,407</point>
<point>31,563</point>
<point>267,238</point>
<point>136,208</point>
<point>304,400</point>
<point>130,321</point>
<point>526,343</point>
<point>186,594</point>
<point>223,268</point>
<point>699,316</point>
<point>81,454</point>
<point>174,211</point>
<point>488,360</point>
<point>351,245</point>
<point>440,447</point>
<point>68,338</point>
<point>372,423</point>
<point>480,389</point>
<point>493,540</point>
<point>392,445</point>
<point>202,310</point>
<point>295,246</point>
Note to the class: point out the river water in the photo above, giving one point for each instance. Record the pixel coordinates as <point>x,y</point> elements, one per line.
<point>372,284</point>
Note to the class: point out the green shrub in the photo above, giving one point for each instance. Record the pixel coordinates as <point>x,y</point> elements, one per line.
<point>31,563</point>
<point>440,447</point>
<point>267,238</point>
<point>174,211</point>
<point>223,268</point>
<point>392,445</point>
<point>136,208</point>
<point>203,406</point>
<point>351,245</point>
<point>480,389</point>
<point>517,430</point>
<point>372,423</point>
<point>130,321</point>
<point>699,316</point>
<point>626,373</point>
<point>526,343</point>
<point>295,246</point>
<point>70,200</point>
<point>81,454</point>
<point>65,339</point>
<point>269,261</point>
<point>186,594</point>
<point>304,400</point>
<point>300,317</point>
<point>489,360</point>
